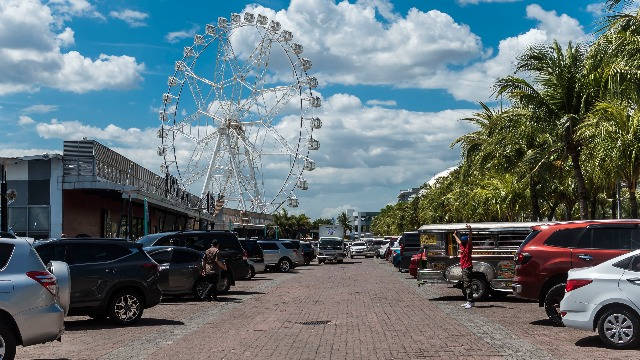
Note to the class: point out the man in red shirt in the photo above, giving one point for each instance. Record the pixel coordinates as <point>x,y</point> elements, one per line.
<point>465,245</point>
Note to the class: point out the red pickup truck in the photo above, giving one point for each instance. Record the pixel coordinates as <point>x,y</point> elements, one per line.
<point>550,251</point>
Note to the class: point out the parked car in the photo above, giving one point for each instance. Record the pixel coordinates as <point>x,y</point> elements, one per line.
<point>545,258</point>
<point>605,298</point>
<point>308,252</point>
<point>230,249</point>
<point>296,247</point>
<point>394,248</point>
<point>357,248</point>
<point>494,245</point>
<point>409,245</point>
<point>382,249</point>
<point>181,271</point>
<point>109,278</point>
<point>255,256</point>
<point>330,249</point>
<point>30,308</point>
<point>280,255</point>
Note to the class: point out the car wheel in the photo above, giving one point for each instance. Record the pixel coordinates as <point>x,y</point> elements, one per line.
<point>552,303</point>
<point>200,289</point>
<point>224,284</point>
<point>320,261</point>
<point>284,265</point>
<point>618,328</point>
<point>252,273</point>
<point>7,342</point>
<point>479,289</point>
<point>126,307</point>
<point>340,261</point>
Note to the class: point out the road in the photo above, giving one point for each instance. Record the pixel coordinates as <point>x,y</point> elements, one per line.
<point>362,309</point>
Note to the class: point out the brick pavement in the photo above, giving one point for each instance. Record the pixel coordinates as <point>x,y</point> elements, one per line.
<point>358,310</point>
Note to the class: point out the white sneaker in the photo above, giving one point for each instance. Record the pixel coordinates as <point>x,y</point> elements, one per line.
<point>468,305</point>
<point>465,304</point>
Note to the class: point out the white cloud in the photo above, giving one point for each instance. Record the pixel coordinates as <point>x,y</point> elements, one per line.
<point>39,109</point>
<point>25,120</point>
<point>375,102</point>
<point>475,2</point>
<point>132,17</point>
<point>175,36</point>
<point>334,212</point>
<point>348,44</point>
<point>596,9</point>
<point>475,82</point>
<point>31,56</point>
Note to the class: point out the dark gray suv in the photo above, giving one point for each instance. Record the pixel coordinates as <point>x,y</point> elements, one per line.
<point>109,278</point>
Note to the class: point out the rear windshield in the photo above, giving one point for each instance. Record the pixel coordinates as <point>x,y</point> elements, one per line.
<point>5,254</point>
<point>7,235</point>
<point>148,240</point>
<point>305,245</point>
<point>411,239</point>
<point>358,244</point>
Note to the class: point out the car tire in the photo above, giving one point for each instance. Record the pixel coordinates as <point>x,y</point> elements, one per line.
<point>340,261</point>
<point>320,261</point>
<point>351,256</point>
<point>252,273</point>
<point>552,303</point>
<point>126,307</point>
<point>200,288</point>
<point>284,265</point>
<point>480,289</point>
<point>7,342</point>
<point>225,284</point>
<point>618,328</point>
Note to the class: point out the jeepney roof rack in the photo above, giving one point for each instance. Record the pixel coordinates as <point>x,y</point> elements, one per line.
<point>485,226</point>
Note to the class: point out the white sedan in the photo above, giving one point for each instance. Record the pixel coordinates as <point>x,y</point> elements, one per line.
<point>606,298</point>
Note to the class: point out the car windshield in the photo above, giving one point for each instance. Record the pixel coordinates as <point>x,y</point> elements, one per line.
<point>358,244</point>
<point>330,243</point>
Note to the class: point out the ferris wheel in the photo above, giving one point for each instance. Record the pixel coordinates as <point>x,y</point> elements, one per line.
<point>239,114</point>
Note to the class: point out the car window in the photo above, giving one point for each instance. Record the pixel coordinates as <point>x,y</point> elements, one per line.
<point>611,238</point>
<point>624,263</point>
<point>269,246</point>
<point>230,242</point>
<point>149,240</point>
<point>171,240</point>
<point>5,254</point>
<point>200,243</point>
<point>635,264</point>
<point>94,253</point>
<point>183,256</point>
<point>161,257</point>
<point>289,245</point>
<point>568,238</point>
<point>50,252</point>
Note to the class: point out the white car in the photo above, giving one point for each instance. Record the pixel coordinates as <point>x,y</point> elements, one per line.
<point>382,249</point>
<point>357,248</point>
<point>606,298</point>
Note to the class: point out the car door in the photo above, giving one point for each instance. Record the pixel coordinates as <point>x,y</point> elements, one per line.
<point>270,252</point>
<point>601,243</point>
<point>184,269</point>
<point>163,258</point>
<point>91,272</point>
<point>630,282</point>
<point>233,254</point>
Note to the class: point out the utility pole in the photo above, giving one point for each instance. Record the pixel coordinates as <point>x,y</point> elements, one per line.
<point>4,209</point>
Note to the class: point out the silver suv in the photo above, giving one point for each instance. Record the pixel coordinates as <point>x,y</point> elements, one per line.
<point>32,300</point>
<point>281,255</point>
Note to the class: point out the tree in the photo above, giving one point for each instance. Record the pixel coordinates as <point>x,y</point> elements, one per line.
<point>343,220</point>
<point>321,221</point>
<point>560,94</point>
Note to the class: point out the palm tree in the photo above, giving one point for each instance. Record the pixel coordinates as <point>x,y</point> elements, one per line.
<point>343,220</point>
<point>612,132</point>
<point>559,94</point>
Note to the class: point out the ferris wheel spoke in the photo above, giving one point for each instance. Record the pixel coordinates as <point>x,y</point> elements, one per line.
<point>281,140</point>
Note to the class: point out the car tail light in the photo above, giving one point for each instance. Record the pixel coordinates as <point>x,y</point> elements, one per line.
<point>401,249</point>
<point>576,284</point>
<point>245,255</point>
<point>521,258</point>
<point>46,279</point>
<point>563,313</point>
<point>151,266</point>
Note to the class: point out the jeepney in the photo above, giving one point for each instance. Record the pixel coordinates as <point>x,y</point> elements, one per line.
<point>494,245</point>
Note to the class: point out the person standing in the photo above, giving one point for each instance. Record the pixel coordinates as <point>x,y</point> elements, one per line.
<point>212,267</point>
<point>466,247</point>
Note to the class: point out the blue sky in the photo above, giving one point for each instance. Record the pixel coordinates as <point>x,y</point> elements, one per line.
<point>395,76</point>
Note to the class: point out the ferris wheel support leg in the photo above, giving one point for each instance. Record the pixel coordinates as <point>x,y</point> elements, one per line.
<point>212,162</point>
<point>252,170</point>
<point>234,168</point>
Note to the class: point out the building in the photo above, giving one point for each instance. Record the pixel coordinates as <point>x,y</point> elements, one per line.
<point>93,190</point>
<point>360,222</point>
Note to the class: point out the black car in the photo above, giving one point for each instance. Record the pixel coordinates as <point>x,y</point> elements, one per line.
<point>409,245</point>
<point>254,253</point>
<point>180,271</point>
<point>308,252</point>
<point>109,278</point>
<point>230,249</point>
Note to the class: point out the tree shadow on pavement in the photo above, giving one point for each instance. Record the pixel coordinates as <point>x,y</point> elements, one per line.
<point>93,324</point>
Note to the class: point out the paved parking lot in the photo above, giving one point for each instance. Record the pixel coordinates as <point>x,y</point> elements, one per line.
<point>362,309</point>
